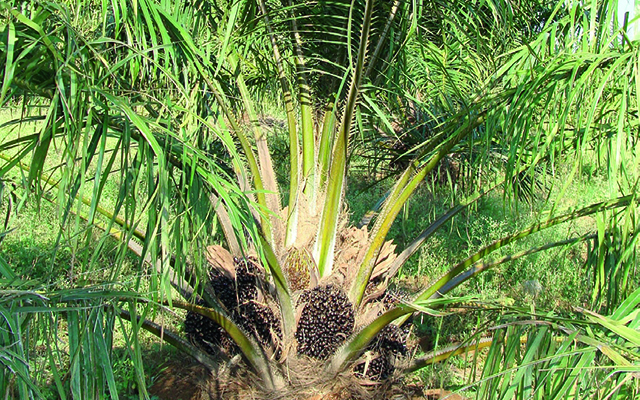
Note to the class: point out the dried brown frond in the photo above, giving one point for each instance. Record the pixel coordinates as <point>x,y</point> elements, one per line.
<point>222,260</point>
<point>351,246</point>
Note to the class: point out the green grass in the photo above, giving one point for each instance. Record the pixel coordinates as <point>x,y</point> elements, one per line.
<point>36,247</point>
<point>490,219</point>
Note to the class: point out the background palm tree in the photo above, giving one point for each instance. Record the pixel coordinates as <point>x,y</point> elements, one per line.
<point>157,95</point>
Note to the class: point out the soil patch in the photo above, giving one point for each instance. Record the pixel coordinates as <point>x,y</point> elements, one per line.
<point>179,380</point>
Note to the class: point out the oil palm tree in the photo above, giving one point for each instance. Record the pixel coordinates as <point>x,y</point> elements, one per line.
<point>165,93</point>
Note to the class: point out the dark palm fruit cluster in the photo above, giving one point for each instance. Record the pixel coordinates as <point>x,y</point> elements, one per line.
<point>238,296</point>
<point>390,341</point>
<point>326,321</point>
<point>387,345</point>
<point>259,321</point>
<point>378,369</point>
<point>247,279</point>
<point>394,297</point>
<point>204,332</point>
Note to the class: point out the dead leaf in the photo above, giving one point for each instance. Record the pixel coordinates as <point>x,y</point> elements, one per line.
<point>222,260</point>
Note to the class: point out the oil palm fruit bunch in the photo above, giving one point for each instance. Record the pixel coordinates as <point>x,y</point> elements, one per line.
<point>326,320</point>
<point>244,301</point>
<point>296,291</point>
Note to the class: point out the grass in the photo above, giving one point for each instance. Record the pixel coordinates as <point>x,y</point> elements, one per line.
<point>32,249</point>
<point>489,220</point>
